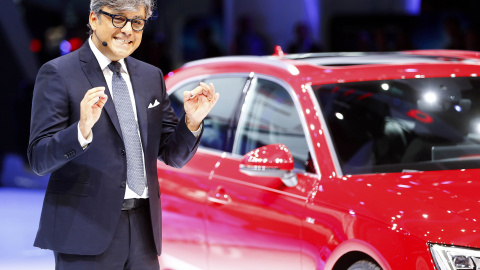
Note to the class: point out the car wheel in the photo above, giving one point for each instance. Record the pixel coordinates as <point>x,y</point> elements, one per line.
<point>364,265</point>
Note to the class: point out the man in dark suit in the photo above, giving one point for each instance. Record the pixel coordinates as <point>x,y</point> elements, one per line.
<point>100,119</point>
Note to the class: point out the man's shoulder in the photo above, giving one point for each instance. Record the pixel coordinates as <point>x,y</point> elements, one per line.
<point>64,60</point>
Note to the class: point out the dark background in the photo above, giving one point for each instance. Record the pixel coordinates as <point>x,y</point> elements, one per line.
<point>35,31</point>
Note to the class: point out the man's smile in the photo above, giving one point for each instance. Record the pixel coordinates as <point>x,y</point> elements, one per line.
<point>122,41</point>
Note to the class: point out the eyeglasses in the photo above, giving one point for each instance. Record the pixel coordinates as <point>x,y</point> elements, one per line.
<point>119,21</point>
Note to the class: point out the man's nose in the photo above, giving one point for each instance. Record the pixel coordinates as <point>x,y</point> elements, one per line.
<point>128,28</point>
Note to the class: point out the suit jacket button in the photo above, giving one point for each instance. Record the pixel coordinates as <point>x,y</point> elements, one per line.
<point>123,152</point>
<point>124,183</point>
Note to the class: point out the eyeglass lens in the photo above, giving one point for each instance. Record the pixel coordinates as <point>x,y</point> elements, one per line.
<point>120,21</point>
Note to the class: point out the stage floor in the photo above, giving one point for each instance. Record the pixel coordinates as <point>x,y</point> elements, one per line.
<point>20,212</point>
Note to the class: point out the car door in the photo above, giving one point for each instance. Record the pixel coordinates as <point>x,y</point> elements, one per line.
<point>184,190</point>
<point>255,222</point>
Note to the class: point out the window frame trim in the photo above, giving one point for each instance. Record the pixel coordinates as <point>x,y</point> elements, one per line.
<point>328,138</point>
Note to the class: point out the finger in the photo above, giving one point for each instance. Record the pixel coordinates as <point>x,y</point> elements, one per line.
<point>95,90</point>
<point>211,92</point>
<point>215,98</point>
<point>206,91</point>
<point>197,91</point>
<point>187,95</point>
<point>98,88</point>
<point>94,98</point>
<point>101,101</point>
<point>212,89</point>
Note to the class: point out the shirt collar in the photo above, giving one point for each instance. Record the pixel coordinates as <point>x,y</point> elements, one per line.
<point>102,59</point>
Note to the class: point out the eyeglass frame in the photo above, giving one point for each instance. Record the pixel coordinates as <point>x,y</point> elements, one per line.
<point>112,16</point>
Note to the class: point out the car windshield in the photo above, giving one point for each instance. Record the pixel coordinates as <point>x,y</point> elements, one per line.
<point>403,125</point>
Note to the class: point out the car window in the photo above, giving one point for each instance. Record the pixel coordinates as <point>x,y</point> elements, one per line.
<point>217,133</point>
<point>400,125</point>
<point>270,117</point>
<point>176,98</point>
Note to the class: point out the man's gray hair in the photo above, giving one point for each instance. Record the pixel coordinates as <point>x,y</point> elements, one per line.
<point>123,5</point>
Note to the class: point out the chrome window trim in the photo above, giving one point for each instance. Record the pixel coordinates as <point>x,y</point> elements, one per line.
<point>298,107</point>
<point>328,137</point>
<point>253,84</point>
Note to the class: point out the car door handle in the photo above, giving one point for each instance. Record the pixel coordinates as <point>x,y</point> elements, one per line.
<point>218,196</point>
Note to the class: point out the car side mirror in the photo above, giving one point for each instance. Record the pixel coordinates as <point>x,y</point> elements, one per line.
<point>274,160</point>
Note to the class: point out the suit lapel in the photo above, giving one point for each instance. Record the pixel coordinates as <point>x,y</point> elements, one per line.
<point>141,101</point>
<point>92,70</point>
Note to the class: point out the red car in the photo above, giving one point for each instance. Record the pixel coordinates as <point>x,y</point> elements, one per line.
<point>329,161</point>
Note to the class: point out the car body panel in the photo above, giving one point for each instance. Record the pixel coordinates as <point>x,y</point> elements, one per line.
<point>263,225</point>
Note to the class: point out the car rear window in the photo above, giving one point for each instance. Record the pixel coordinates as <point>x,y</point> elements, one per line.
<point>401,125</point>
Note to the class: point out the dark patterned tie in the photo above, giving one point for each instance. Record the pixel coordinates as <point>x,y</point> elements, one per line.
<point>128,125</point>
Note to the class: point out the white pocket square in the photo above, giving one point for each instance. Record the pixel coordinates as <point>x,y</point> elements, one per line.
<point>156,103</point>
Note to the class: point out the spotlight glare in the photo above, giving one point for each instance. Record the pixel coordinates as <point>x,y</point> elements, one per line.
<point>430,97</point>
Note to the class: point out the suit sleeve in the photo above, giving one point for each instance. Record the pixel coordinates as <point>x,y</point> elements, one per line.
<point>178,144</point>
<point>53,135</point>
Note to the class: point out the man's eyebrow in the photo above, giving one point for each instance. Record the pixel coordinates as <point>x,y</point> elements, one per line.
<point>124,15</point>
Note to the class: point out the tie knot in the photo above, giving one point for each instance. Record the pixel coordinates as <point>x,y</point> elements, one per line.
<point>115,67</point>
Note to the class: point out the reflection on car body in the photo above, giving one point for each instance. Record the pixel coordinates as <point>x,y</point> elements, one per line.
<point>329,161</point>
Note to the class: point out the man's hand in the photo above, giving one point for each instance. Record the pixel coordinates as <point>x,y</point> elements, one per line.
<point>198,103</point>
<point>91,108</point>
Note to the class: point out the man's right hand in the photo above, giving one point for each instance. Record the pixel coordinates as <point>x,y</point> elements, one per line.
<point>91,108</point>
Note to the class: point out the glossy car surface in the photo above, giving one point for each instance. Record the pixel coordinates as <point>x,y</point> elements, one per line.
<point>322,161</point>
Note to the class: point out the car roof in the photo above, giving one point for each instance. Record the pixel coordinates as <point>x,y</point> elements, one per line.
<point>358,58</point>
<point>348,60</point>
<point>341,66</point>
<point>369,58</point>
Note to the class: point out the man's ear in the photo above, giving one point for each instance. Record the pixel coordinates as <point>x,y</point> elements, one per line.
<point>92,20</point>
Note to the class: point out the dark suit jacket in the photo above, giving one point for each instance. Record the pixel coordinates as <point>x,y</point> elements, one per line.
<point>85,192</point>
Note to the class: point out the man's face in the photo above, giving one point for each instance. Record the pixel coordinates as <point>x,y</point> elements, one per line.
<point>122,42</point>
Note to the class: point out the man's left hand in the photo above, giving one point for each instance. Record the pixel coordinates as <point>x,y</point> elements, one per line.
<point>198,103</point>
